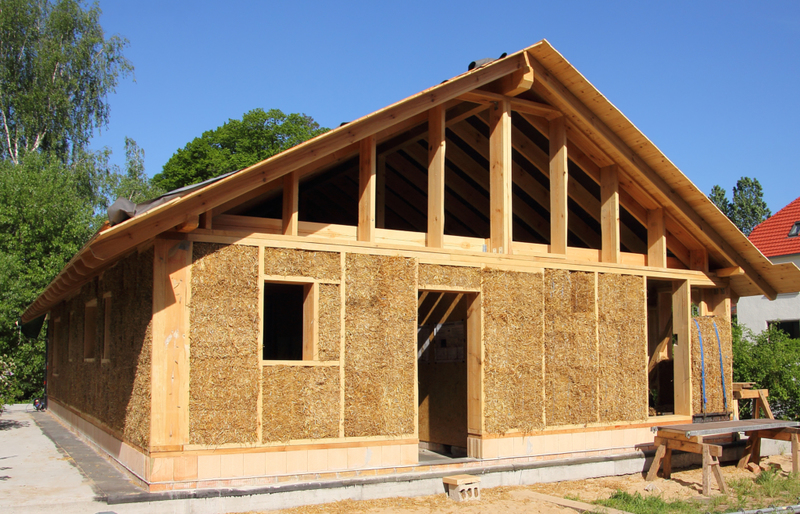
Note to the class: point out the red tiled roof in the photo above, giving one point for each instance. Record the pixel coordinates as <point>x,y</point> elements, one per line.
<point>771,236</point>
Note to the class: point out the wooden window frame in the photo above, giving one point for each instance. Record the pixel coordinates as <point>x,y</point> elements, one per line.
<point>310,321</point>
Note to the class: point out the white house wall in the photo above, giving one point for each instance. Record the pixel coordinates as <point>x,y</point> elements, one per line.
<point>755,311</point>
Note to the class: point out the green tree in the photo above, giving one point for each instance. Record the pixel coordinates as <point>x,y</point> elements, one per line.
<point>56,71</point>
<point>748,207</point>
<point>772,360</point>
<point>131,183</point>
<point>44,220</point>
<point>236,145</point>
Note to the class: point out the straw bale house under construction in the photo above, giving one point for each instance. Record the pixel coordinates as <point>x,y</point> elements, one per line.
<point>501,265</point>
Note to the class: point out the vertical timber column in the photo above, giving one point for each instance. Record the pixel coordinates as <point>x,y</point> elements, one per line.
<point>682,354</point>
<point>290,202</point>
<point>609,213</point>
<point>366,189</point>
<point>558,185</point>
<point>380,192</point>
<point>436,149</point>
<point>170,380</point>
<point>475,359</point>
<point>656,239</point>
<point>500,175</point>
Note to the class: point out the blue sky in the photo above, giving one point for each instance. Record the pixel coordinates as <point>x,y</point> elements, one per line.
<point>713,84</point>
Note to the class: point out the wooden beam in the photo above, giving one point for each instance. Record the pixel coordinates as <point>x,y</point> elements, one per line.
<point>609,213</point>
<point>558,186</point>
<point>514,83</point>
<point>189,225</point>
<point>291,195</point>
<point>366,189</point>
<point>500,178</point>
<point>734,271</point>
<point>682,352</point>
<point>524,106</point>
<point>475,359</point>
<point>562,98</point>
<point>656,239</point>
<point>436,173</point>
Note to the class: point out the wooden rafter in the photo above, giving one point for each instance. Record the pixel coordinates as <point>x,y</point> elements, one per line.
<point>559,96</point>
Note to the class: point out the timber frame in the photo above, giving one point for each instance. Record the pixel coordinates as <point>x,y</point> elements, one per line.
<point>519,166</point>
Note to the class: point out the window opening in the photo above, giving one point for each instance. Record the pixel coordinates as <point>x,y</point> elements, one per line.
<point>288,321</point>
<point>791,327</point>
<point>795,230</point>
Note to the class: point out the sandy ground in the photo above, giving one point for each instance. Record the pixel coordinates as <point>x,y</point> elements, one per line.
<point>684,484</point>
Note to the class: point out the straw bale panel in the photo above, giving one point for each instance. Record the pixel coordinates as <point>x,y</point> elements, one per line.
<point>224,325</point>
<point>514,348</point>
<point>330,322</point>
<point>622,327</point>
<point>302,263</point>
<point>300,402</point>
<point>715,401</point>
<point>570,344</point>
<point>115,393</point>
<point>432,275</point>
<point>380,345</point>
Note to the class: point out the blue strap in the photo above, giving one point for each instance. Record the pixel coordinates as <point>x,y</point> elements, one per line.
<point>702,363</point>
<point>721,368</point>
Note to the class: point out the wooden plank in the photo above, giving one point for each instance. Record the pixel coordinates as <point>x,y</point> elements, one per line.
<point>191,223</point>
<point>656,239</point>
<point>681,318</point>
<point>366,189</point>
<point>688,446</point>
<point>558,186</point>
<point>170,364</point>
<point>524,106</point>
<point>475,419</point>
<point>436,175</point>
<point>609,213</point>
<point>291,195</point>
<point>555,93</point>
<point>500,178</point>
<point>762,398</point>
<point>795,450</point>
<point>699,259</point>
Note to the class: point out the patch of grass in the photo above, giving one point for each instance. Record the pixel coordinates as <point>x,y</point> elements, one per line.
<point>769,488</point>
<point>638,504</point>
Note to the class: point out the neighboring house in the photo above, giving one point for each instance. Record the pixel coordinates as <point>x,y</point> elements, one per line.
<point>495,266</point>
<point>779,239</point>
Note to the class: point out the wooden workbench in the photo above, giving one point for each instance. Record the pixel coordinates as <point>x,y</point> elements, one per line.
<point>689,438</point>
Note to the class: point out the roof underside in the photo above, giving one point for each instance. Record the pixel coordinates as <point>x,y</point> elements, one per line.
<point>329,186</point>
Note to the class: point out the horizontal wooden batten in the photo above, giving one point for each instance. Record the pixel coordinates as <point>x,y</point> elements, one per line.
<point>300,445</point>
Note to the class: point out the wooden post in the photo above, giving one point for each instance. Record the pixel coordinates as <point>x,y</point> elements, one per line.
<point>474,367</point>
<point>500,176</point>
<point>609,213</point>
<point>653,472</point>
<point>290,202</point>
<point>795,459</point>
<point>558,186</point>
<point>366,189</point>
<point>682,352</point>
<point>656,239</point>
<point>436,163</point>
<point>699,259</point>
<point>380,192</point>
<point>170,365</point>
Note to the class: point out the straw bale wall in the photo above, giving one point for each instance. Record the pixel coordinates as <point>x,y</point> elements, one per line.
<point>380,345</point>
<point>116,393</point>
<point>224,328</point>
<point>622,328</point>
<point>302,263</point>
<point>300,402</point>
<point>433,275</point>
<point>715,401</point>
<point>330,322</point>
<point>514,347</point>
<point>570,347</point>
